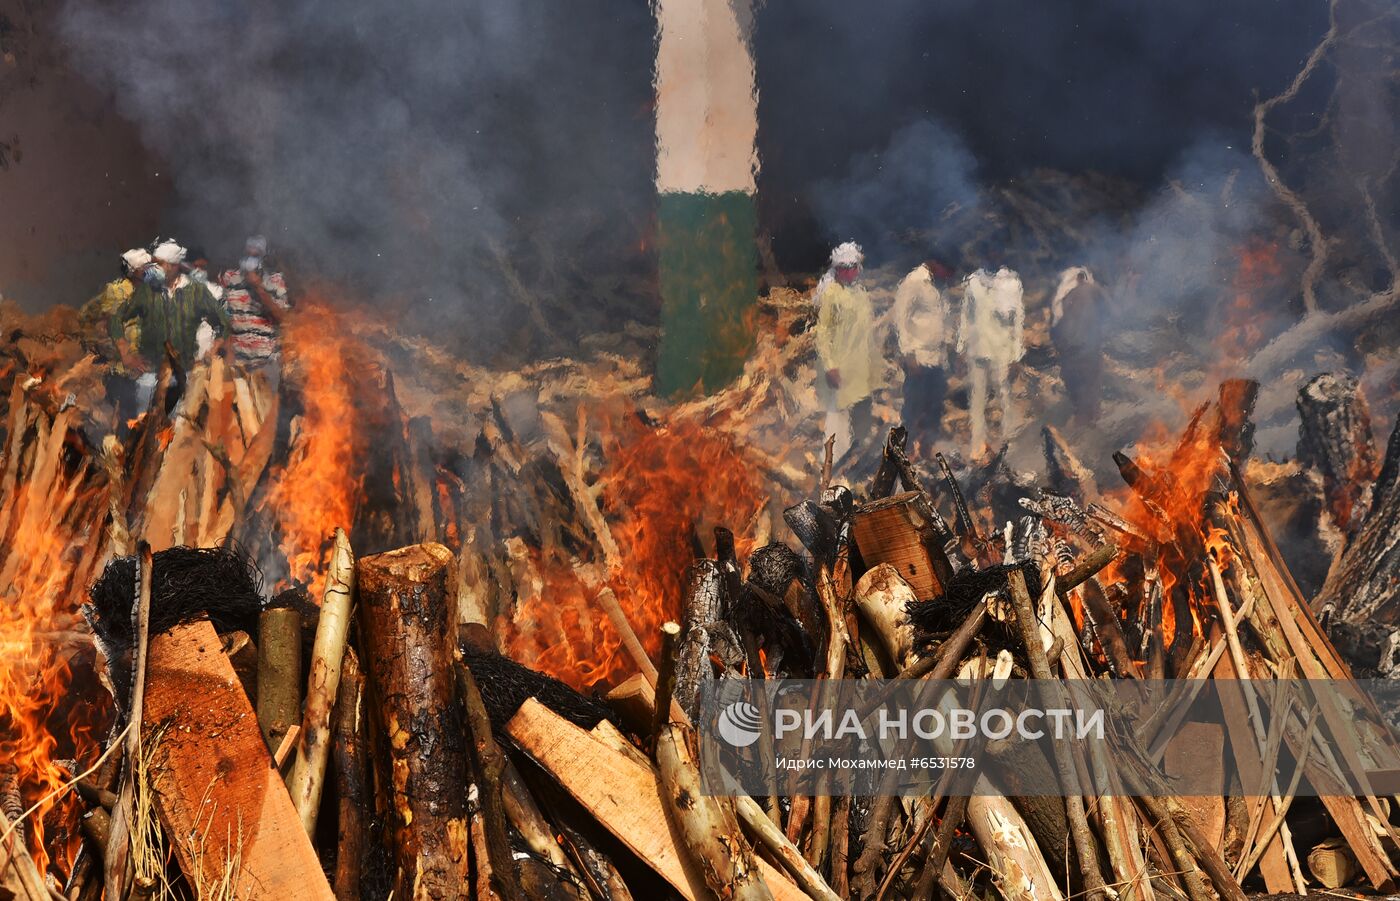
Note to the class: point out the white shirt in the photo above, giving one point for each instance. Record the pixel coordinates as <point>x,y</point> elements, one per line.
<point>993,316</point>
<point>920,319</point>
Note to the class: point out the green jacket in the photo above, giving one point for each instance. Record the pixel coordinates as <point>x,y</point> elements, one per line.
<point>173,317</point>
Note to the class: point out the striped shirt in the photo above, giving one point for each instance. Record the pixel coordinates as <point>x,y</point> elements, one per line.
<point>172,316</point>
<point>255,335</point>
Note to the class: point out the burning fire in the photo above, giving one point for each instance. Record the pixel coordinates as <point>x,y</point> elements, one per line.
<point>38,603</point>
<point>317,491</point>
<point>662,488</point>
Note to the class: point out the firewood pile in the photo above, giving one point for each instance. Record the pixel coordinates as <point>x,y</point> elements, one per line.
<point>330,647</point>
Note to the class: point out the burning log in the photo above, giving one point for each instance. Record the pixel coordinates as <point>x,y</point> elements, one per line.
<point>313,751</point>
<point>279,672</point>
<point>707,634</point>
<point>406,601</point>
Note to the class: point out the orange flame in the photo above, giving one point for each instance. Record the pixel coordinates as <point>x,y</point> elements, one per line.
<point>660,488</point>
<point>38,601</point>
<point>317,491</point>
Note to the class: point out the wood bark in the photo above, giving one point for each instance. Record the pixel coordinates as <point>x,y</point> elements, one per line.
<point>407,605</point>
<point>622,795</point>
<point>1334,438</point>
<point>308,776</point>
<point>488,766</point>
<point>279,672</point>
<point>884,597</point>
<point>351,762</point>
<point>708,830</point>
<point>1365,583</point>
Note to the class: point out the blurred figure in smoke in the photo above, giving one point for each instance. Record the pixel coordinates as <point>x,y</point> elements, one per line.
<point>168,306</point>
<point>257,304</point>
<point>993,316</point>
<point>920,322</point>
<point>845,336</point>
<point>1078,327</point>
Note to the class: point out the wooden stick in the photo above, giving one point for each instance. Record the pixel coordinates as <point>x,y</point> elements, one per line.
<point>1074,803</point>
<point>352,777</point>
<point>26,871</point>
<point>488,768</point>
<point>114,869</point>
<point>279,672</point>
<point>286,746</point>
<point>633,645</point>
<point>308,776</point>
<point>666,679</point>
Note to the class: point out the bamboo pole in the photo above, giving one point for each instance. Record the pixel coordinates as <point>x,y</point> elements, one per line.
<point>308,775</point>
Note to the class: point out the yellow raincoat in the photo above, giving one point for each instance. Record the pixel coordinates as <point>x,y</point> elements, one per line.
<point>845,337</point>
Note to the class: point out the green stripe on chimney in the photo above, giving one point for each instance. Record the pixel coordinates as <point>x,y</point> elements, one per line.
<point>708,264</point>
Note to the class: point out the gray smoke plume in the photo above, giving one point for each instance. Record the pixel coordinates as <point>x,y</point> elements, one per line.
<point>449,157</point>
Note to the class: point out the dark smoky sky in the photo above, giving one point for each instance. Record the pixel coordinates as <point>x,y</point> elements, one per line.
<point>444,157</point>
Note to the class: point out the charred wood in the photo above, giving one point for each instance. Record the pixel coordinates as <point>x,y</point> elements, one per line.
<point>407,604</point>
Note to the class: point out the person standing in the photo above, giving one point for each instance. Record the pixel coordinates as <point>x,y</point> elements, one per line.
<point>990,335</point>
<point>845,338</point>
<point>167,307</point>
<point>920,321</point>
<point>1078,327</point>
<point>257,304</point>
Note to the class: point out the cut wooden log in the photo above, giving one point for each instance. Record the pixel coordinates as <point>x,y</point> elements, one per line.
<point>1334,438</point>
<point>222,803</point>
<point>707,634</point>
<point>1332,864</point>
<point>351,761</point>
<point>409,620</point>
<point>897,530</point>
<point>883,596</point>
<point>488,765</point>
<point>622,795</point>
<point>279,672</point>
<point>1364,585</point>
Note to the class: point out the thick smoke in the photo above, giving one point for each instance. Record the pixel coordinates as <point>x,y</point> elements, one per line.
<point>926,175</point>
<point>450,157</point>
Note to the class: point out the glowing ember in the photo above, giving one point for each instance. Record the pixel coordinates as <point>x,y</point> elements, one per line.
<point>661,488</point>
<point>316,493</point>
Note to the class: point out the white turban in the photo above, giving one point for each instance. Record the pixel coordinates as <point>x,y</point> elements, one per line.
<point>848,254</point>
<point>136,259</point>
<point>169,252</point>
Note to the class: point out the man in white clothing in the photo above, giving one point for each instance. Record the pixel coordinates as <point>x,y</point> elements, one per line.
<point>919,319</point>
<point>990,334</point>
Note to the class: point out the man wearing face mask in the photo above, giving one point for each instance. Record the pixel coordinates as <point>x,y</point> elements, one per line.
<point>845,338</point>
<point>168,306</point>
